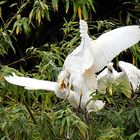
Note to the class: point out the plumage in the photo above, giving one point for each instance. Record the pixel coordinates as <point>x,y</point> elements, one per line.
<point>130,74</point>
<point>81,65</point>
<point>110,44</point>
<point>91,56</point>
<point>34,84</point>
<point>72,97</point>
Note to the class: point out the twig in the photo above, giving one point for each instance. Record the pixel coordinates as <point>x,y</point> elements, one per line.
<point>20,60</point>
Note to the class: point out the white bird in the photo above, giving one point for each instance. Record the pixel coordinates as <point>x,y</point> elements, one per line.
<point>91,56</point>
<point>133,74</point>
<point>130,74</point>
<point>72,97</point>
<point>76,63</point>
<point>88,58</point>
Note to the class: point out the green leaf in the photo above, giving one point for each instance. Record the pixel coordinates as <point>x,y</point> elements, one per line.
<point>133,136</point>
<point>0,12</point>
<point>62,126</point>
<point>75,8</point>
<point>67,5</point>
<point>2,2</point>
<point>92,6</point>
<point>12,5</point>
<point>137,110</point>
<point>38,16</point>
<point>55,5</point>
<point>85,12</point>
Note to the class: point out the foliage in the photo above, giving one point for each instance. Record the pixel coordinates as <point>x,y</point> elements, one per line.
<point>40,115</point>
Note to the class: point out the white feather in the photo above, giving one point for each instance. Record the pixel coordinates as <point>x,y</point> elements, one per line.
<point>110,74</point>
<point>79,61</point>
<point>132,72</point>
<point>31,83</point>
<point>92,56</point>
<point>35,84</point>
<point>72,97</point>
<point>110,44</point>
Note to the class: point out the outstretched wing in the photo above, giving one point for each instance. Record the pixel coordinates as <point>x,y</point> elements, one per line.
<point>132,72</point>
<point>87,58</point>
<point>81,58</point>
<point>31,83</point>
<point>110,44</point>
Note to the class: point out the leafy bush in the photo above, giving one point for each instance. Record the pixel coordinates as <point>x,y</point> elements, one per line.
<point>40,115</point>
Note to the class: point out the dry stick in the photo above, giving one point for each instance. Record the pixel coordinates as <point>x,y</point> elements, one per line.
<point>22,59</point>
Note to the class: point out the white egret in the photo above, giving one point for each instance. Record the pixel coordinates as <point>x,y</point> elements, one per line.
<point>91,56</point>
<point>81,65</point>
<point>72,97</point>
<point>130,74</point>
<point>133,74</point>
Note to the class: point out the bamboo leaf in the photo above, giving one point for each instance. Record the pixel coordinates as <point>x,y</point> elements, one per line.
<point>67,5</point>
<point>75,8</point>
<point>132,137</point>
<point>85,13</point>
<point>12,5</point>
<point>92,6</point>
<point>17,30</point>
<point>2,2</point>
<point>138,114</point>
<point>0,12</point>
<point>62,127</point>
<point>55,5</point>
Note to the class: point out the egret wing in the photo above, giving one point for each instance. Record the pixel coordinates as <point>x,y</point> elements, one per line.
<point>110,44</point>
<point>31,83</point>
<point>87,56</point>
<point>132,72</point>
<point>81,58</point>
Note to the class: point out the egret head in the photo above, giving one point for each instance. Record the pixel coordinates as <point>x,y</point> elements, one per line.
<point>110,67</point>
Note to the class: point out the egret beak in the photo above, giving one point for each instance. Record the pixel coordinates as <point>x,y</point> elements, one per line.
<point>62,86</point>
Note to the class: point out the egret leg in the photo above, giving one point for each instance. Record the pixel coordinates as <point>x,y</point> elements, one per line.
<point>80,99</point>
<point>69,88</point>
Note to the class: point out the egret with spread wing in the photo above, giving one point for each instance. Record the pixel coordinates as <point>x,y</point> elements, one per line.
<point>81,65</point>
<point>72,97</point>
<point>133,74</point>
<point>130,74</point>
<point>91,56</point>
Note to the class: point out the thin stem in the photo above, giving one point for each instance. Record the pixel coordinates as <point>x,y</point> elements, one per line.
<point>2,21</point>
<point>24,58</point>
<point>30,112</point>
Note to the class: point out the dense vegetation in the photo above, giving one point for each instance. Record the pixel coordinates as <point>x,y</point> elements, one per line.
<point>35,38</point>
